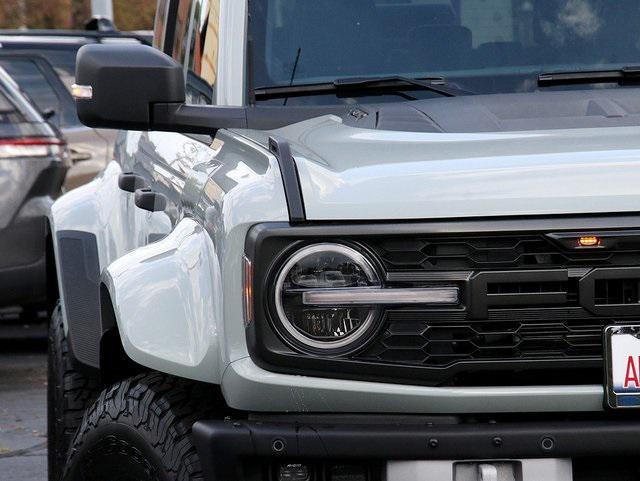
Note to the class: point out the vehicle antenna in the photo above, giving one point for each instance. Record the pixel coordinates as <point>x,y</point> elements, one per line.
<point>293,72</point>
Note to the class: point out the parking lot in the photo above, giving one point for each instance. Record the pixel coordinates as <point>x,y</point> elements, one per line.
<point>23,425</point>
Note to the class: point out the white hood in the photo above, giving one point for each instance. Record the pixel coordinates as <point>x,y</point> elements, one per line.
<point>349,173</point>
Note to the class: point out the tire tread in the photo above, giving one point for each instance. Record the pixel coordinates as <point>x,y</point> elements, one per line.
<point>163,409</point>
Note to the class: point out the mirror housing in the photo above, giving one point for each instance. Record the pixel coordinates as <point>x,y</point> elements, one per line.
<point>125,82</point>
<point>137,87</point>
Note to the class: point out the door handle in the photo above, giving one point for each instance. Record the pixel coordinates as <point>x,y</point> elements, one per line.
<point>147,199</point>
<point>130,182</point>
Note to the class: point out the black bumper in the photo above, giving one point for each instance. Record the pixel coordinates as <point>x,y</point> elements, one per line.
<point>238,450</point>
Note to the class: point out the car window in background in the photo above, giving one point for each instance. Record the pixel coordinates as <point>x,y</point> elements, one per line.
<point>64,63</point>
<point>34,83</point>
<point>8,113</point>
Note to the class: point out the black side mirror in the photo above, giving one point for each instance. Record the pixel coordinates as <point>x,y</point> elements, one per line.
<point>117,85</point>
<point>137,87</point>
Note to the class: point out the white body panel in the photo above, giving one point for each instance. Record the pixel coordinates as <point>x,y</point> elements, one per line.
<point>232,54</point>
<point>178,298</point>
<point>173,323</point>
<point>440,175</point>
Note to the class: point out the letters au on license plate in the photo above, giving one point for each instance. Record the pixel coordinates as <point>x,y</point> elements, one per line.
<point>622,352</point>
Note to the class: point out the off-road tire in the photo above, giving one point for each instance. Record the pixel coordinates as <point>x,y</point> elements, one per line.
<point>140,430</point>
<point>69,393</point>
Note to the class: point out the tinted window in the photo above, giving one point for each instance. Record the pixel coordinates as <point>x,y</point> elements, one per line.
<point>64,63</point>
<point>195,46</point>
<point>34,83</point>
<point>160,24</point>
<point>8,112</point>
<point>487,46</point>
<point>202,58</point>
<point>181,31</point>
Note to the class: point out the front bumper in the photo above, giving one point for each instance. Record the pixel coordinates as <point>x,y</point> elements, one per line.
<point>248,450</point>
<point>250,388</point>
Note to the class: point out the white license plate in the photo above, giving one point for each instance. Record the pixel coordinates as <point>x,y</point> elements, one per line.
<point>622,353</point>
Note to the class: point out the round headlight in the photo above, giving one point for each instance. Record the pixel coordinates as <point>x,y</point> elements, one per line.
<point>318,269</point>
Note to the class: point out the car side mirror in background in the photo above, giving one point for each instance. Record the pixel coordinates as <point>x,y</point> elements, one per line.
<point>48,113</point>
<point>137,87</point>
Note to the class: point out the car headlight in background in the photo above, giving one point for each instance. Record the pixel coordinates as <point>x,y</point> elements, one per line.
<point>328,297</point>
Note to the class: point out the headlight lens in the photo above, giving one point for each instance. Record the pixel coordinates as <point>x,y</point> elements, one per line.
<point>325,267</point>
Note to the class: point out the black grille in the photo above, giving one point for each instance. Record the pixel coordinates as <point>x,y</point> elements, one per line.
<point>528,303</point>
<point>495,252</point>
<point>617,291</point>
<point>442,344</point>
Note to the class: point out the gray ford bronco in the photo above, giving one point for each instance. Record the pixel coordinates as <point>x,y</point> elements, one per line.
<point>355,240</point>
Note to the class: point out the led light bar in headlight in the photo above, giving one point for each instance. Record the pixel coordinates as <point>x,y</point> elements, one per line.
<point>434,295</point>
<point>330,297</point>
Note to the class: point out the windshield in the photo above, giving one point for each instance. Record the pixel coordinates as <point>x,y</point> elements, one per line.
<point>482,46</point>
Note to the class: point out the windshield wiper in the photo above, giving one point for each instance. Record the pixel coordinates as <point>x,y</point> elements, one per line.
<point>359,85</point>
<point>625,75</point>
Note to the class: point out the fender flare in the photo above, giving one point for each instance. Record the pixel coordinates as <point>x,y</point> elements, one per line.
<point>79,276</point>
<point>167,304</point>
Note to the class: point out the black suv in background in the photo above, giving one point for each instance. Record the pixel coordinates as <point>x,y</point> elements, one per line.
<point>33,162</point>
<point>42,62</point>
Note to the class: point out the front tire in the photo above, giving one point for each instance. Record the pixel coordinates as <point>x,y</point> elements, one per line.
<point>70,392</point>
<point>140,430</point>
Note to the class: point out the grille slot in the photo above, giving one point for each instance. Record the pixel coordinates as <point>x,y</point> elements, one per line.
<point>617,291</point>
<point>442,344</point>
<point>494,252</point>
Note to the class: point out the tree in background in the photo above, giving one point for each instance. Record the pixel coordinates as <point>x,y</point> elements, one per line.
<point>134,14</point>
<point>12,13</point>
<point>66,14</point>
<point>48,14</point>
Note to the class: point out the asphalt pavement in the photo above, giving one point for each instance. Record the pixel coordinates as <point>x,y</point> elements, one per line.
<point>23,420</point>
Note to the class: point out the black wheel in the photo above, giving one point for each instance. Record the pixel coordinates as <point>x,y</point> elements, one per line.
<point>140,430</point>
<point>69,393</point>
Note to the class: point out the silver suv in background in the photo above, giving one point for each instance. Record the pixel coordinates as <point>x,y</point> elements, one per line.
<point>42,62</point>
<point>33,163</point>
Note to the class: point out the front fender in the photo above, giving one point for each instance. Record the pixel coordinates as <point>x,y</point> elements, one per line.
<point>167,300</point>
<point>86,236</point>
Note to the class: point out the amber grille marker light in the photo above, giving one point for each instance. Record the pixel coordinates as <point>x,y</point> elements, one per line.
<point>589,241</point>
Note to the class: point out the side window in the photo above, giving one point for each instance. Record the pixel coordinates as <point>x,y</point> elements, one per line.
<point>195,46</point>
<point>202,57</point>
<point>160,24</point>
<point>181,31</point>
<point>8,113</point>
<point>33,82</point>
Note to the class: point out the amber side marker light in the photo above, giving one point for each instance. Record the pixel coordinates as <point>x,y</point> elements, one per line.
<point>247,280</point>
<point>589,241</point>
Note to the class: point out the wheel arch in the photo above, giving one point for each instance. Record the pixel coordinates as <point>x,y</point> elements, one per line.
<point>163,304</point>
